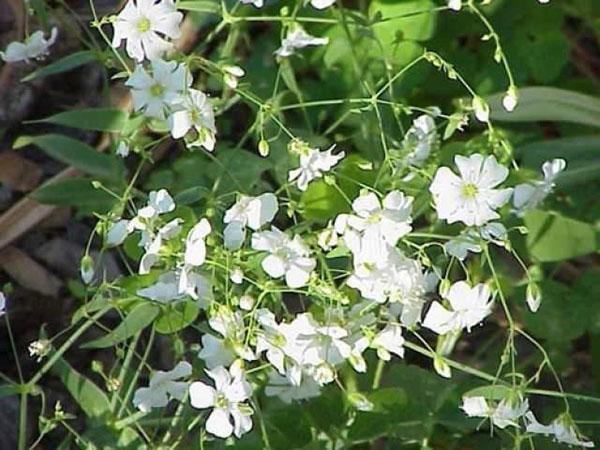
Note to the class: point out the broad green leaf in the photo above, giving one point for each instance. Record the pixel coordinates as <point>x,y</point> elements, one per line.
<point>206,6</point>
<point>177,317</point>
<point>563,315</point>
<point>403,20</point>
<point>491,392</point>
<point>553,237</point>
<point>548,104</point>
<point>77,192</point>
<point>100,119</point>
<point>138,318</point>
<point>581,153</point>
<point>90,398</point>
<point>75,153</point>
<point>288,427</point>
<point>63,65</point>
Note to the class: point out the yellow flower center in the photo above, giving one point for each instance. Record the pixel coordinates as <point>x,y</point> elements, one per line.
<point>143,25</point>
<point>469,190</point>
<point>157,90</point>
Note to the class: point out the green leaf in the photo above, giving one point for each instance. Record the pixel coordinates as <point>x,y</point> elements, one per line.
<point>288,427</point>
<point>100,119</point>
<point>553,237</point>
<point>403,20</point>
<point>75,153</point>
<point>236,170</point>
<point>582,154</point>
<point>77,192</point>
<point>62,65</point>
<point>177,317</point>
<point>206,6</point>
<point>138,318</point>
<point>548,104</point>
<point>91,399</point>
<point>491,392</point>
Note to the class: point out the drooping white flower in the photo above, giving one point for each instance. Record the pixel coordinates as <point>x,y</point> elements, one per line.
<point>503,414</point>
<point>34,47</point>
<point>297,38</point>
<point>529,195</point>
<point>194,111</point>
<point>389,340</point>
<point>470,240</point>
<point>481,109</point>
<point>321,4</point>
<point>420,139</point>
<point>313,164</point>
<point>510,99</point>
<point>163,386</point>
<point>470,197</point>
<point>226,399</point>
<point>288,392</point>
<point>455,5</point>
<point>195,247</point>
<point>253,212</point>
<point>146,25</point>
<point>288,257</point>
<point>468,307</point>
<point>562,429</point>
<point>155,95</point>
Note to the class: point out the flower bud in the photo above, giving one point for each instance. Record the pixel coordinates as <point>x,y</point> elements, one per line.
<point>511,99</point>
<point>263,148</point>
<point>442,367</point>
<point>86,269</point>
<point>481,109</point>
<point>533,296</point>
<point>360,401</point>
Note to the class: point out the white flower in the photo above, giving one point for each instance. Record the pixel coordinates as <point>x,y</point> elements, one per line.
<point>504,414</point>
<point>216,352</point>
<point>253,212</point>
<point>117,233</point>
<point>236,276</point>
<point>288,257</point>
<point>226,398</point>
<point>420,139</point>
<point>470,240</point>
<point>287,392</point>
<point>321,4</point>
<point>469,306</point>
<point>159,202</point>
<point>162,386</point>
<point>195,247</point>
<point>122,149</point>
<point>156,94</point>
<point>2,303</point>
<point>563,429</point>
<point>145,24</point>
<point>481,109</point>
<point>34,47</point>
<point>378,223</point>
<point>470,197</point>
<point>297,38</point>
<point>324,344</point>
<point>197,286</point>
<point>510,99</point>
<point>389,340</point>
<point>455,5</point>
<point>313,164</point>
<point>194,111</point>
<point>528,196</point>
<point>39,349</point>
<point>544,1</point>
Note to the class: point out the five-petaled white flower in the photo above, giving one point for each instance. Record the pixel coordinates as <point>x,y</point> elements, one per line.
<point>194,111</point>
<point>468,307</point>
<point>162,386</point>
<point>253,212</point>
<point>288,257</point>
<point>156,94</point>
<point>144,25</point>
<point>313,164</point>
<point>34,47</point>
<point>528,196</point>
<point>297,38</point>
<point>227,400</point>
<point>470,197</point>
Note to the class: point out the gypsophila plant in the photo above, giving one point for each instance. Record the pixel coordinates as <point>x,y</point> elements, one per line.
<point>309,232</point>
